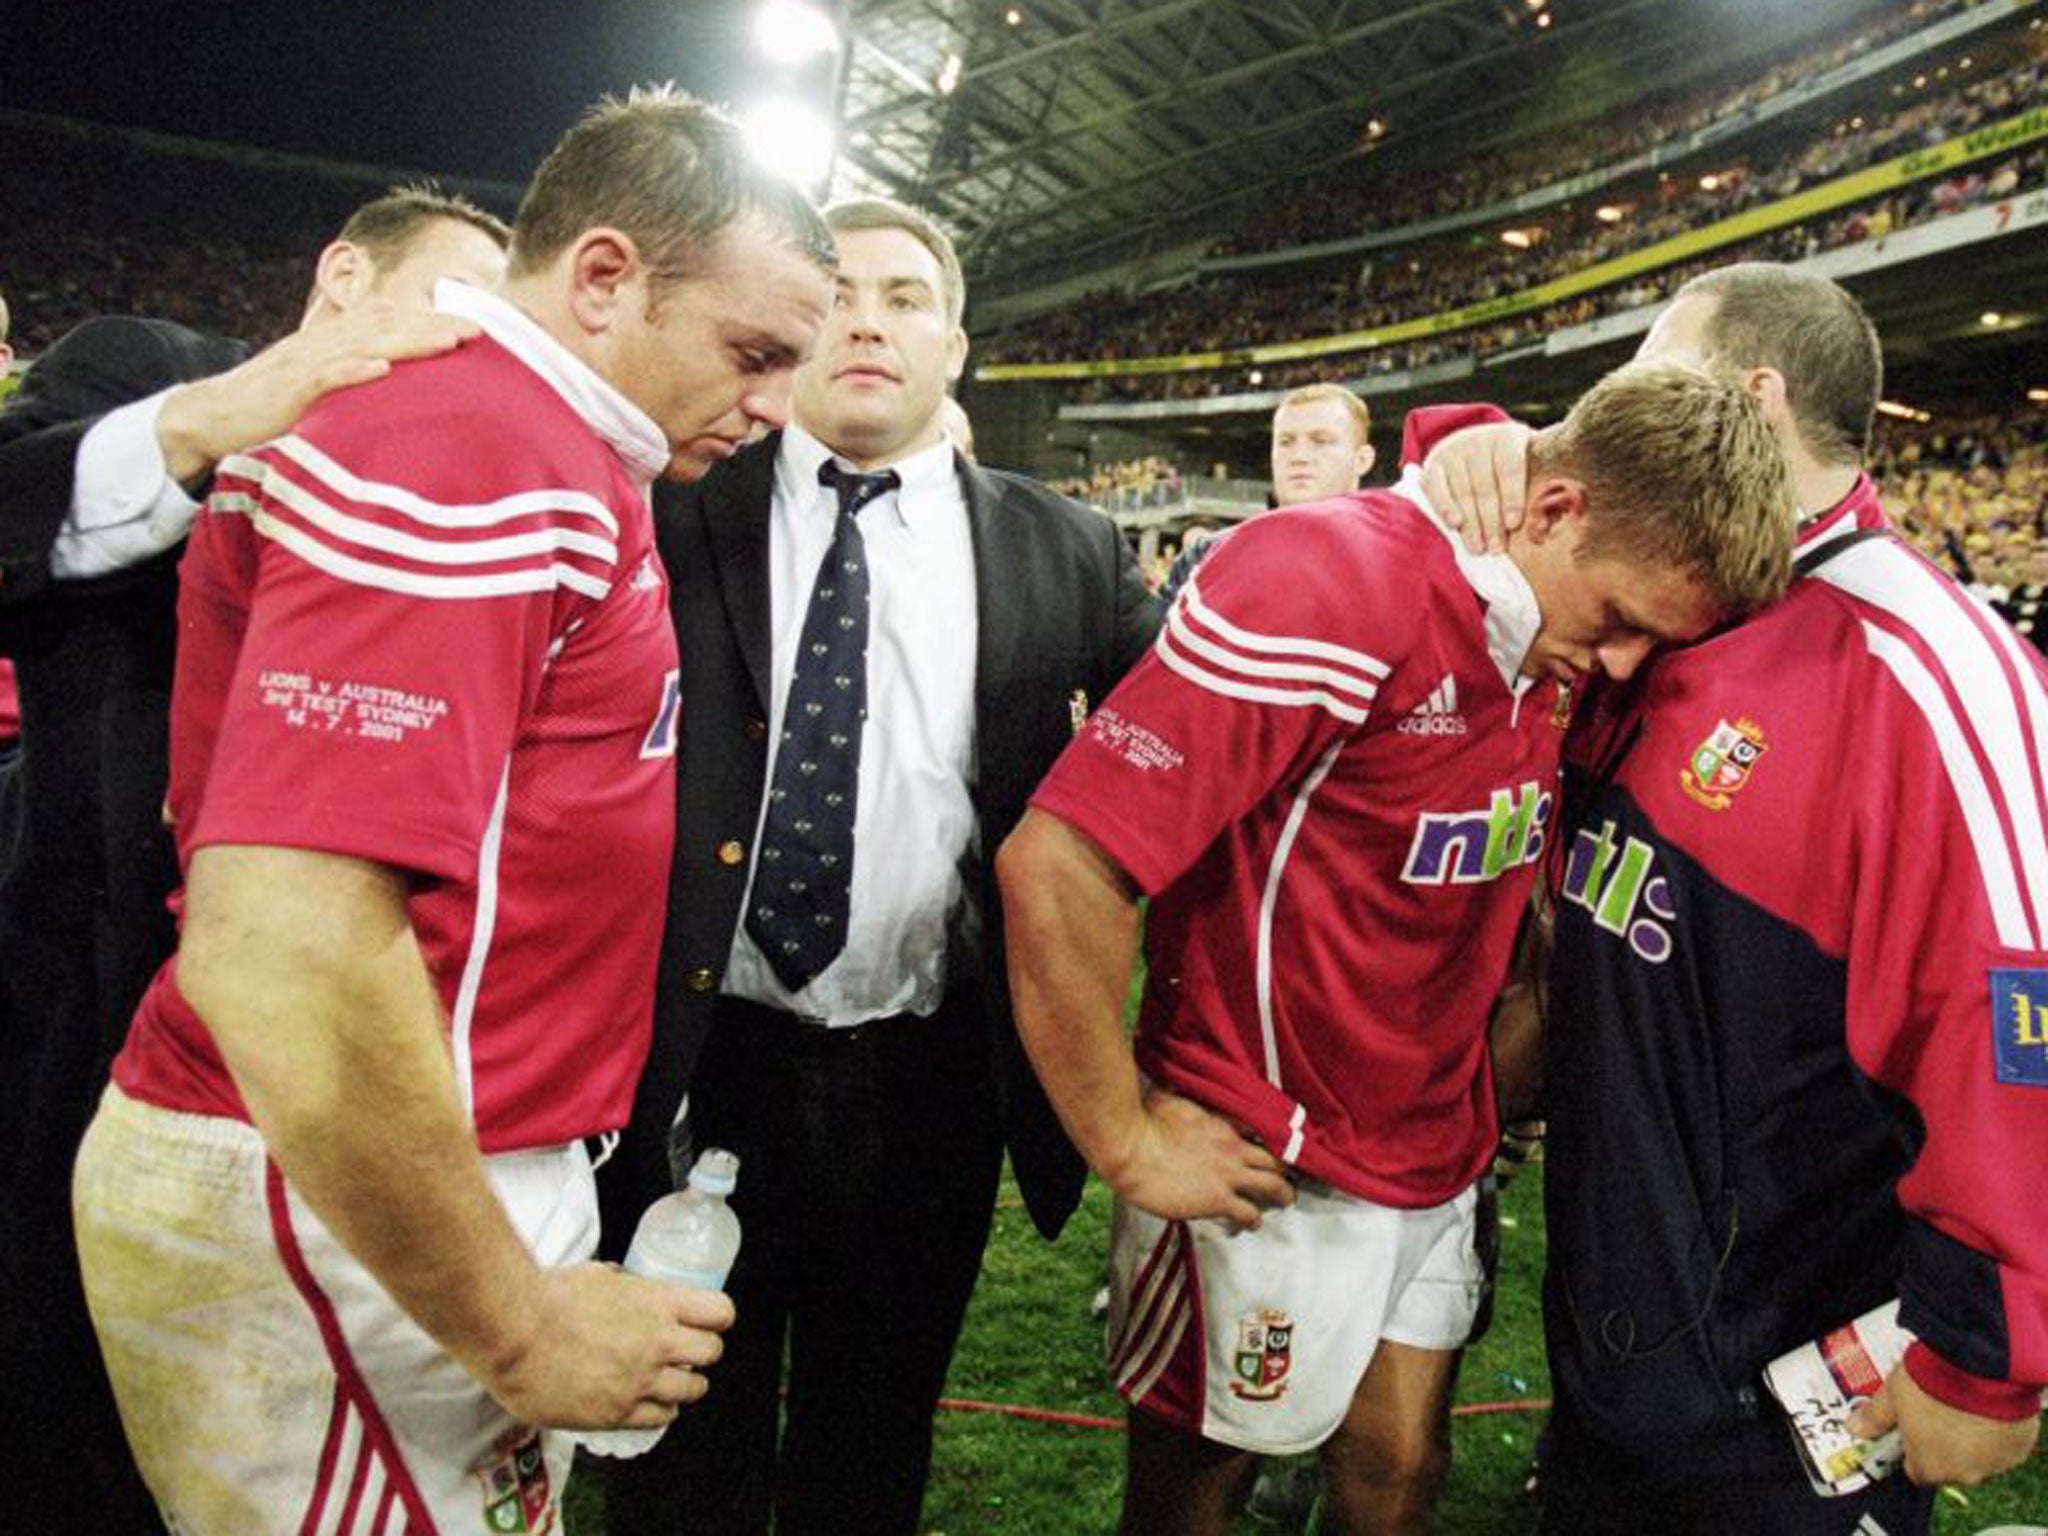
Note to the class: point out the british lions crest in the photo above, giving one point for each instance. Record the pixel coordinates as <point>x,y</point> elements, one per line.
<point>1720,765</point>
<point>1265,1347</point>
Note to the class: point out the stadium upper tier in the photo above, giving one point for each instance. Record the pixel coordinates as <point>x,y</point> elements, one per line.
<point>1977,136</point>
<point>1326,214</point>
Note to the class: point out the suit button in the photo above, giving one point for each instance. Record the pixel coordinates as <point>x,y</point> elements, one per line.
<point>703,979</point>
<point>731,852</point>
<point>757,729</point>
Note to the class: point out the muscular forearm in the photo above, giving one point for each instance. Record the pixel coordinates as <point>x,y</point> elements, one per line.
<point>305,969</point>
<point>202,423</point>
<point>193,432</point>
<point>1071,924</point>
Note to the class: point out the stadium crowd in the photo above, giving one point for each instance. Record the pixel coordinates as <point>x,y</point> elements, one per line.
<point>1333,208</point>
<point>204,235</point>
<point>1446,273</point>
<point>1123,482</point>
<point>1972,494</point>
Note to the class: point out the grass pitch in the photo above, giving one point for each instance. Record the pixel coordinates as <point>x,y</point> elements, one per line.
<point>1031,1343</point>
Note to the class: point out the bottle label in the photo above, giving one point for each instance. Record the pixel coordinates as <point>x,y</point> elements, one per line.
<point>1820,1382</point>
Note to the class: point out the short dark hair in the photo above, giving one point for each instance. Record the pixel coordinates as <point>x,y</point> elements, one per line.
<point>387,227</point>
<point>887,213</point>
<point>670,172</point>
<point>1814,334</point>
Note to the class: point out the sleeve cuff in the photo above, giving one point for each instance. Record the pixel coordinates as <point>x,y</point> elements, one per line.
<point>125,507</point>
<point>2006,1400</point>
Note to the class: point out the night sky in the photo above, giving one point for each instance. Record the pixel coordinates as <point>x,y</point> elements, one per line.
<point>464,87</point>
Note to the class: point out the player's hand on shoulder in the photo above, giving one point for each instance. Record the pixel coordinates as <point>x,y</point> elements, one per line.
<point>1945,1444</point>
<point>203,422</point>
<point>1476,480</point>
<point>613,1349</point>
<point>1187,1163</point>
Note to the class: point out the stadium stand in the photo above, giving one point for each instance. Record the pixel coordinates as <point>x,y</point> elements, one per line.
<point>1951,133</point>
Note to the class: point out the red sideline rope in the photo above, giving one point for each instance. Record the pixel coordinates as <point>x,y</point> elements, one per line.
<point>1092,1421</point>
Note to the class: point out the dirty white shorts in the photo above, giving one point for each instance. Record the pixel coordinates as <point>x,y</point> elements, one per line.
<point>1259,1339</point>
<point>268,1385</point>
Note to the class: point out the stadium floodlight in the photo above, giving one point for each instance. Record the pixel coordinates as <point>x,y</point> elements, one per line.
<point>949,74</point>
<point>1991,319</point>
<point>2037,395</point>
<point>790,138</point>
<point>793,32</point>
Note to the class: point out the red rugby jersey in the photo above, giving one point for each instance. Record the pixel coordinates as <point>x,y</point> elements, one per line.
<point>1336,793</point>
<point>429,628</point>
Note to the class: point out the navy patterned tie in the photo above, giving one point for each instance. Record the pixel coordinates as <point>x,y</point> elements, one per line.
<point>803,877</point>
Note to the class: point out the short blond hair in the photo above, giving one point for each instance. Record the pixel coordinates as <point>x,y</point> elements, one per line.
<point>1681,469</point>
<point>1308,394</point>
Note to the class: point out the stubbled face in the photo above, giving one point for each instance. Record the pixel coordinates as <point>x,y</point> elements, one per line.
<point>875,391</point>
<point>713,358</point>
<point>1606,614</point>
<point>1317,451</point>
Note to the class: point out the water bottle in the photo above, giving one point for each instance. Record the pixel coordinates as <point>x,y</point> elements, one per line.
<point>688,1238</point>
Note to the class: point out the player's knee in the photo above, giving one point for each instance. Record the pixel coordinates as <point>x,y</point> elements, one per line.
<point>1409,1458</point>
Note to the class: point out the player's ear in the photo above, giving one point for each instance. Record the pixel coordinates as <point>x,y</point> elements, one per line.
<point>606,273</point>
<point>1552,503</point>
<point>344,274</point>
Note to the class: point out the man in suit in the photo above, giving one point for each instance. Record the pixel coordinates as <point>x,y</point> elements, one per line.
<point>100,449</point>
<point>849,1034</point>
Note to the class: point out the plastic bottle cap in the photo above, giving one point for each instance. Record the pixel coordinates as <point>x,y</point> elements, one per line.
<point>717,1172</point>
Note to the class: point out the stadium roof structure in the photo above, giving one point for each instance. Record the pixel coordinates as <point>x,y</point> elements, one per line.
<point>1073,134</point>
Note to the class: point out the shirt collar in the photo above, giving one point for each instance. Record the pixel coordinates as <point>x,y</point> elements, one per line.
<point>1512,617</point>
<point>929,485</point>
<point>630,431</point>
<point>1860,509</point>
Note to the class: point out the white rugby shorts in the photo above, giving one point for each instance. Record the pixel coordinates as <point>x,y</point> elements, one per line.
<point>268,1385</point>
<point>1259,1339</point>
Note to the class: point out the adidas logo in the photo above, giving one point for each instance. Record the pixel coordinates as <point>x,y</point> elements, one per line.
<point>1438,714</point>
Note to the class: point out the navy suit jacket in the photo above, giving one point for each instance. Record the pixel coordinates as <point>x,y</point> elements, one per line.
<point>1061,609</point>
<point>82,920</point>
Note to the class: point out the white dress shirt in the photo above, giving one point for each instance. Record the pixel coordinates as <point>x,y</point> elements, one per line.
<point>125,507</point>
<point>914,818</point>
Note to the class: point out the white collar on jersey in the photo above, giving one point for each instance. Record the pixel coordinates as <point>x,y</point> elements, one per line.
<point>1512,617</point>
<point>630,431</point>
